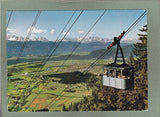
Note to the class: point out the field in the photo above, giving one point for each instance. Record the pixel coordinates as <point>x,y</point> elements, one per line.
<point>32,87</point>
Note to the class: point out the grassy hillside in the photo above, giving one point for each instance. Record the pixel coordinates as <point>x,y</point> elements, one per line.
<point>49,90</point>
<point>70,89</point>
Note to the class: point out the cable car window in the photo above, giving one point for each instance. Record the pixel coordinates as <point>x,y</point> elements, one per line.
<point>118,74</point>
<point>126,74</point>
<point>106,72</point>
<point>112,73</point>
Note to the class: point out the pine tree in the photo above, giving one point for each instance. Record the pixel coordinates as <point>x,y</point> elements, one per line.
<point>141,80</point>
<point>140,49</point>
<point>131,60</point>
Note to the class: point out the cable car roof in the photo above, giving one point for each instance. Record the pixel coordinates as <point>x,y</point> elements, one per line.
<point>118,66</point>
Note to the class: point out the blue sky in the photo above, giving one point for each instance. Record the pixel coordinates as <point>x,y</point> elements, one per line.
<point>50,23</point>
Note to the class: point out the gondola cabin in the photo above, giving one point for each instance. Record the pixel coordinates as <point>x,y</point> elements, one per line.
<point>118,76</point>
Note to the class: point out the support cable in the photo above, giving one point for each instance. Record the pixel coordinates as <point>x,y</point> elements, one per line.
<point>45,61</point>
<point>9,19</point>
<point>73,51</point>
<point>26,40</point>
<point>128,30</point>
<point>81,40</point>
<point>53,45</point>
<point>54,51</point>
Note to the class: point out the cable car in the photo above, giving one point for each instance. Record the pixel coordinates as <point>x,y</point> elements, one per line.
<point>120,76</point>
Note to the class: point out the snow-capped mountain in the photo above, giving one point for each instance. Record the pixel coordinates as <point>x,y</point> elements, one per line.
<point>86,40</point>
<point>95,39</point>
<point>99,39</point>
<point>17,38</point>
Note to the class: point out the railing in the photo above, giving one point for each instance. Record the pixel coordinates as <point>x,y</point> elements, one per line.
<point>114,82</point>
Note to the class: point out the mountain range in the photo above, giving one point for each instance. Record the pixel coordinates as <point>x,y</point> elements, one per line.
<point>85,40</point>
<point>17,38</point>
<point>42,48</point>
<point>38,50</point>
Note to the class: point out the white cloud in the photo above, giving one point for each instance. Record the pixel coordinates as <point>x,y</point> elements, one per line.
<point>80,32</point>
<point>65,33</point>
<point>35,30</point>
<point>52,31</point>
<point>92,34</point>
<point>13,31</point>
<point>12,39</point>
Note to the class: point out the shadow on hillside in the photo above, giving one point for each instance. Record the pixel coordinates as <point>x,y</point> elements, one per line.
<point>71,77</point>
